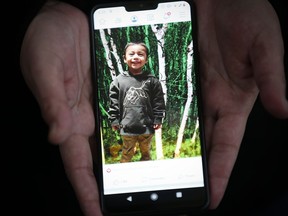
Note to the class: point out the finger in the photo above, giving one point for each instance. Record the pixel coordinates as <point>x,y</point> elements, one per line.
<point>77,159</point>
<point>226,138</point>
<point>267,61</point>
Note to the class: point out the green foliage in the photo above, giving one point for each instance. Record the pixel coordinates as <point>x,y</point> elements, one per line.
<point>177,39</point>
<point>188,148</point>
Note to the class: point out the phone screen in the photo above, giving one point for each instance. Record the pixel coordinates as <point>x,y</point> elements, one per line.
<point>148,108</point>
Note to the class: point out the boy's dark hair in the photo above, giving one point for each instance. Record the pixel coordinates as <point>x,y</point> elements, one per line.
<point>136,43</point>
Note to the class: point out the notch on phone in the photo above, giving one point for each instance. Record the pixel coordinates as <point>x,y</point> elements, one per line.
<point>148,5</point>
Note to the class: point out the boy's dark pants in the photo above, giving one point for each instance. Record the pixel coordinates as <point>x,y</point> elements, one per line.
<point>129,147</point>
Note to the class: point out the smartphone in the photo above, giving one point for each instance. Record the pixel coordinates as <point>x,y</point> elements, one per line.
<point>149,128</point>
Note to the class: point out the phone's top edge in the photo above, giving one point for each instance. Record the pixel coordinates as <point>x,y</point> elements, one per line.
<point>115,15</point>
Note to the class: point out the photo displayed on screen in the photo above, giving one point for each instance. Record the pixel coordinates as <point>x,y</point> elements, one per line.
<point>147,98</point>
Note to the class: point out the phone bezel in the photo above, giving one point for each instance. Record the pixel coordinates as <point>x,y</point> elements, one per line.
<point>117,204</point>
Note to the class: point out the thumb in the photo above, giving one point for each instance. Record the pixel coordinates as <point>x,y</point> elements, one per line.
<point>58,116</point>
<point>266,56</point>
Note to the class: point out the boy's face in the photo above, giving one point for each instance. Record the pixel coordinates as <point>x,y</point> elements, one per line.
<point>135,57</point>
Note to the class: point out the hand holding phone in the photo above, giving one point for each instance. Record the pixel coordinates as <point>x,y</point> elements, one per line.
<point>148,108</point>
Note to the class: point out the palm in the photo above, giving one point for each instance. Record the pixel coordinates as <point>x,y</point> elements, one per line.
<point>235,65</point>
<point>55,62</point>
<point>60,49</point>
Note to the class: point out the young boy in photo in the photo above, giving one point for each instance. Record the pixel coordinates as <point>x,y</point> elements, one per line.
<point>137,105</point>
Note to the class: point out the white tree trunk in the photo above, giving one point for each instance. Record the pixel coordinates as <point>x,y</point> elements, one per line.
<point>107,54</point>
<point>160,33</point>
<point>195,131</point>
<point>188,102</point>
<point>115,53</point>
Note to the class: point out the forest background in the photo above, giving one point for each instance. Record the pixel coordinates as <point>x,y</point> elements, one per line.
<point>171,60</point>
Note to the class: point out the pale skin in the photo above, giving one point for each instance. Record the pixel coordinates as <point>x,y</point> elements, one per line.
<point>241,53</point>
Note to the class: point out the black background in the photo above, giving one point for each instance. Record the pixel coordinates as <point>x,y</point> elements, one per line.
<point>33,173</point>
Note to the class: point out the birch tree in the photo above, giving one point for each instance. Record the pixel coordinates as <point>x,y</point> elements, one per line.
<point>115,53</point>
<point>108,52</point>
<point>193,140</point>
<point>188,102</point>
<point>160,33</point>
